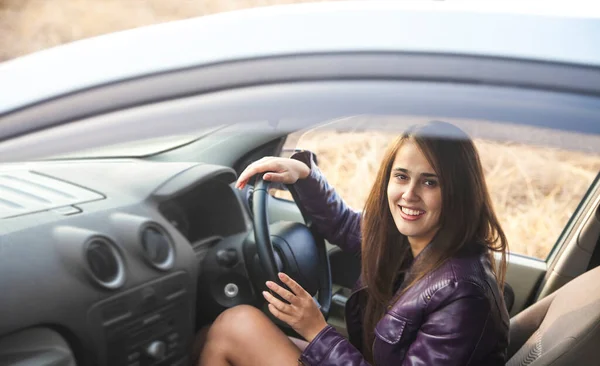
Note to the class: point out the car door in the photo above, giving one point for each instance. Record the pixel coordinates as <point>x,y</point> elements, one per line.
<point>546,217</point>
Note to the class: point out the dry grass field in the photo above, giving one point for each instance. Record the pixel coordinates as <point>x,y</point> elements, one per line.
<point>30,25</point>
<point>535,189</point>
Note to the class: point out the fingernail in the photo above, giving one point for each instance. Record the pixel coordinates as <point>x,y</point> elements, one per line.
<point>265,293</point>
<point>270,284</point>
<point>281,275</point>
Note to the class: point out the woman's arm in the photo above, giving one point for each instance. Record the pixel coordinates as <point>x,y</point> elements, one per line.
<point>337,222</point>
<point>333,218</point>
<point>330,348</point>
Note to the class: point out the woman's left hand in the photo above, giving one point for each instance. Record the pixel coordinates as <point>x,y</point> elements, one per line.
<point>302,312</point>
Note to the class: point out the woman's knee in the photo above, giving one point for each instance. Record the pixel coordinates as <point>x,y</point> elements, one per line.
<point>238,321</point>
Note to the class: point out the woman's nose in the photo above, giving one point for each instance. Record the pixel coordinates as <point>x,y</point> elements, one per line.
<point>410,194</point>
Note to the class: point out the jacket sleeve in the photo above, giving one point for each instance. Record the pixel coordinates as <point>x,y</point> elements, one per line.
<point>330,348</point>
<point>453,329</point>
<point>332,217</point>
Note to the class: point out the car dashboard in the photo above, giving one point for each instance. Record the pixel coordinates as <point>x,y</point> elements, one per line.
<point>99,259</point>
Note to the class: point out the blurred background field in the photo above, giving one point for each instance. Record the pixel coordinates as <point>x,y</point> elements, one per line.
<point>535,189</point>
<point>30,25</point>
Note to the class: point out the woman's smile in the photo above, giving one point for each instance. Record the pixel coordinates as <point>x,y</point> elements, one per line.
<point>411,214</point>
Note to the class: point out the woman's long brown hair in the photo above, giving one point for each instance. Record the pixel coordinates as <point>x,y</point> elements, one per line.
<point>467,218</point>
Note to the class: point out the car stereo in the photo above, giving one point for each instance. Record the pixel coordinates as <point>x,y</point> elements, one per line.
<point>148,326</point>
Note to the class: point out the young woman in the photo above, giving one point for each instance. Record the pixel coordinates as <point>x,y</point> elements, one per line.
<point>429,292</point>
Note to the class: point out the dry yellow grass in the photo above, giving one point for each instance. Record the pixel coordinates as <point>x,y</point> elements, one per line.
<point>30,25</point>
<point>534,189</point>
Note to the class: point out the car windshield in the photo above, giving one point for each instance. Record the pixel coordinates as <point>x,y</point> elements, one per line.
<point>138,148</point>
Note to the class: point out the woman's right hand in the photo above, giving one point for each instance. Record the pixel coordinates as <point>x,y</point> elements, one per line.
<point>281,170</point>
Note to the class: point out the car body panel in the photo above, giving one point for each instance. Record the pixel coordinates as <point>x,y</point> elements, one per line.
<point>284,30</point>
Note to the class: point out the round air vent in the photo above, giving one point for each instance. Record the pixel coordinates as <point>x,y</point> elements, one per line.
<point>157,247</point>
<point>105,263</point>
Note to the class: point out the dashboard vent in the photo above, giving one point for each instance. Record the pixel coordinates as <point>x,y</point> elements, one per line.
<point>157,247</point>
<point>105,263</point>
<point>24,192</point>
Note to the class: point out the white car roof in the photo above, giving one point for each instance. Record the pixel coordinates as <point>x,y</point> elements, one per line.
<point>556,34</point>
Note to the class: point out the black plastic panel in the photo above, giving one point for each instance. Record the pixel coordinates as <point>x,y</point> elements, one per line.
<point>345,267</point>
<point>36,346</point>
<point>160,311</point>
<point>189,179</point>
<point>211,209</point>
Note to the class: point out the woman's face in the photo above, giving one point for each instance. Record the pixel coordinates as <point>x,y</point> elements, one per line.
<point>414,196</point>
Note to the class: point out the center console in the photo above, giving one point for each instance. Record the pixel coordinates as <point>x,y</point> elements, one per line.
<point>149,326</point>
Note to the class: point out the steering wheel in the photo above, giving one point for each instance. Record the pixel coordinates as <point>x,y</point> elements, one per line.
<point>299,250</point>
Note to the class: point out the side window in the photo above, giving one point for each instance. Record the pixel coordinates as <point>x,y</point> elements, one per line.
<point>535,189</point>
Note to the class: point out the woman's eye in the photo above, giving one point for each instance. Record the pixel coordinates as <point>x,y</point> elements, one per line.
<point>401,176</point>
<point>431,183</point>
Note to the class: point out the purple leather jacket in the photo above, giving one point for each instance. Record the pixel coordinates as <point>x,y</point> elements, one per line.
<point>454,316</point>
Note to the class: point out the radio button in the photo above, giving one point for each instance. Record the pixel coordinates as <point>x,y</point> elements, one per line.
<point>156,350</point>
<point>133,357</point>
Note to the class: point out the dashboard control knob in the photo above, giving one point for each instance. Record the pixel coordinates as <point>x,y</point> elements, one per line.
<point>227,257</point>
<point>231,290</point>
<point>156,350</point>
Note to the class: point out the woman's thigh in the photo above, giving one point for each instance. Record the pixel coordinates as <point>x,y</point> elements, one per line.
<point>201,340</point>
<point>243,335</point>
